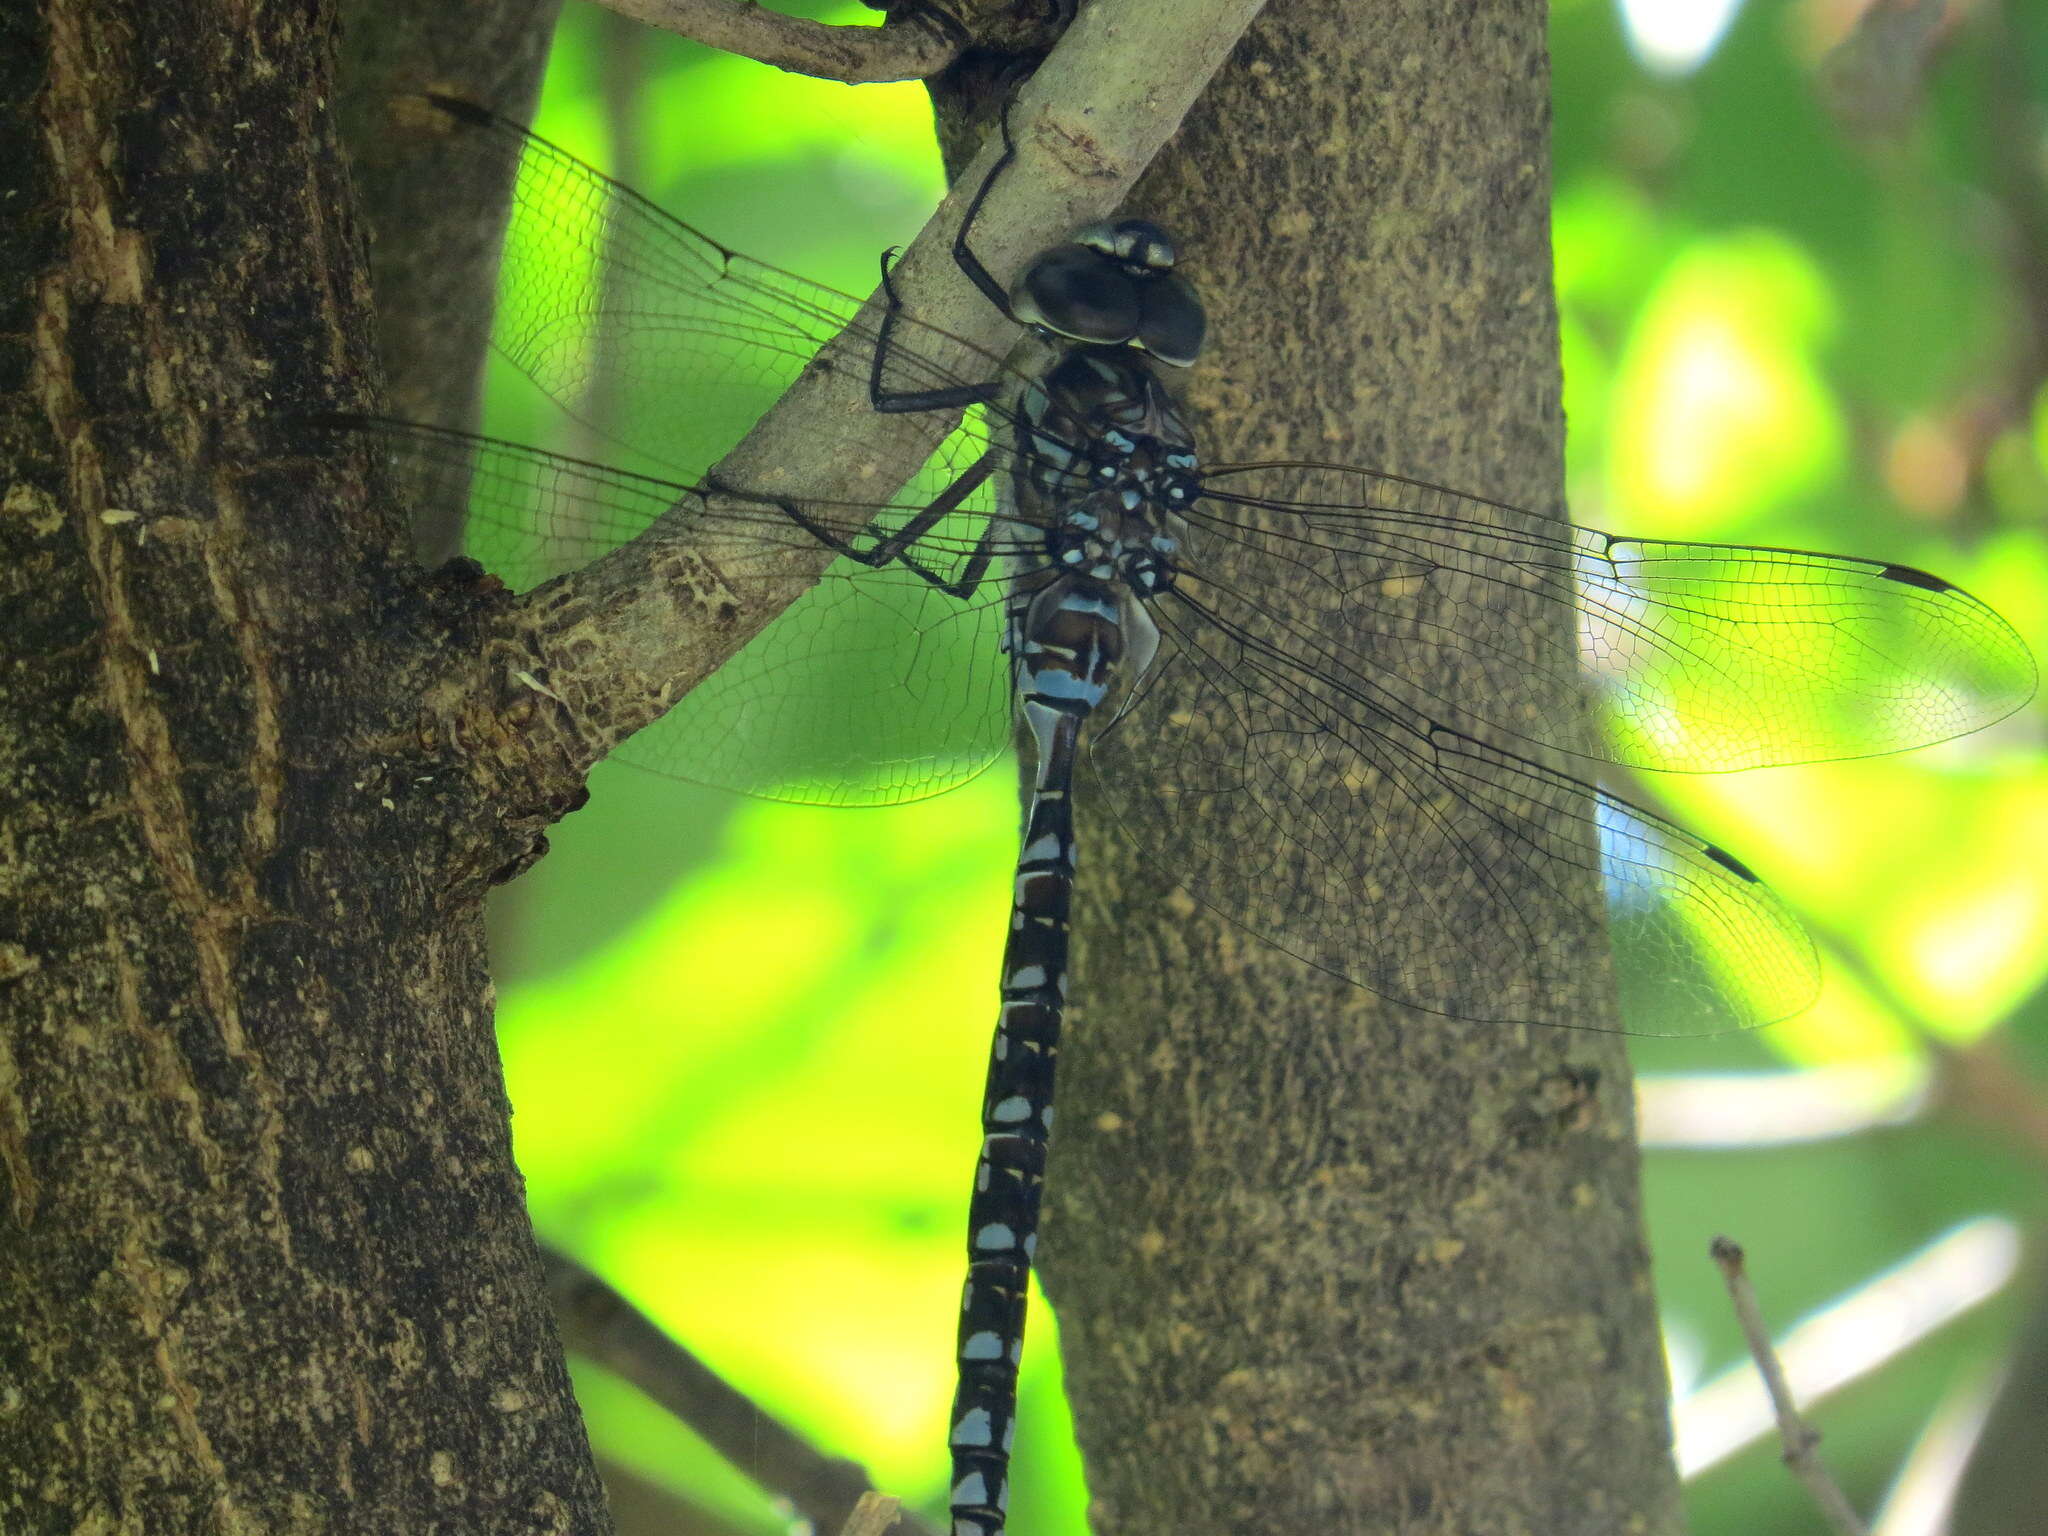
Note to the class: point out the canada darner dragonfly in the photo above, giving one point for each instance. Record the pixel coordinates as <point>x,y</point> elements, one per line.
<point>1314,619</point>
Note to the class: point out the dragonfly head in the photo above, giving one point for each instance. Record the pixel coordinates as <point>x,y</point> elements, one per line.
<point>1113,284</point>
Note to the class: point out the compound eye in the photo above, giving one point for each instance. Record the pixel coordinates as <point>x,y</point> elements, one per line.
<point>1078,293</point>
<point>1174,324</point>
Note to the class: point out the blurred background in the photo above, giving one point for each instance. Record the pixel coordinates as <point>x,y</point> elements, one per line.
<point>1802,267</point>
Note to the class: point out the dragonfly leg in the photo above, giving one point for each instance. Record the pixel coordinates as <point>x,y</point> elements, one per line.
<point>958,396</point>
<point>897,546</point>
<point>951,398</point>
<point>963,253</point>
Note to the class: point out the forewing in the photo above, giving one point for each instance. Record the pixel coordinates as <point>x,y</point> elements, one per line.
<point>1700,657</point>
<point>660,343</point>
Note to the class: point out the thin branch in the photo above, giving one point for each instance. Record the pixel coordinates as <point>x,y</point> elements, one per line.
<point>599,1323</point>
<point>1982,1083</point>
<point>1875,82</point>
<point>643,1507</point>
<point>914,48</point>
<point>1800,1439</point>
<point>1875,77</point>
<point>627,635</point>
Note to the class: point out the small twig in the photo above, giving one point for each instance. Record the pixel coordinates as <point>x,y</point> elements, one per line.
<point>599,1323</point>
<point>643,1507</point>
<point>628,634</point>
<point>1800,1439</point>
<point>1981,1084</point>
<point>915,48</point>
<point>1984,1084</point>
<point>1876,76</point>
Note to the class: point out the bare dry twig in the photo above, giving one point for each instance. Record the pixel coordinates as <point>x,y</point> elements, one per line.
<point>914,48</point>
<point>643,1507</point>
<point>599,1323</point>
<point>1800,1439</point>
<point>625,636</point>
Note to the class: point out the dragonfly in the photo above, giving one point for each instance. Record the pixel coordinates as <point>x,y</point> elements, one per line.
<point>1309,634</point>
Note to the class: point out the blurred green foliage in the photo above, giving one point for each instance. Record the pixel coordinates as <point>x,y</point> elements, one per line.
<point>744,1041</point>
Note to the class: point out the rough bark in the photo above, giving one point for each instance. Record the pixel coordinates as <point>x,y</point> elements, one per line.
<point>433,272</point>
<point>264,1258</point>
<point>265,1264</point>
<point>618,642</point>
<point>269,1266</point>
<point>1321,1264</point>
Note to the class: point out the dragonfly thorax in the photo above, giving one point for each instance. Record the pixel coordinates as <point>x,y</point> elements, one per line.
<point>1122,547</point>
<point>1098,437</point>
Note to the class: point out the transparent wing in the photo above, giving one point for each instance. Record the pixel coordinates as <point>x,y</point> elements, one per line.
<point>1701,657</point>
<point>878,685</point>
<point>1417,861</point>
<point>661,343</point>
<point>1350,659</point>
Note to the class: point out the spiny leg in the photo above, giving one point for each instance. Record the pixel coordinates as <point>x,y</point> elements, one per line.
<point>897,546</point>
<point>963,253</point>
<point>957,396</point>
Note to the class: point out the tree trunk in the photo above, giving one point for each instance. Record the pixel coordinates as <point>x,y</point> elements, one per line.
<point>264,1258</point>
<point>265,1264</point>
<point>1320,1263</point>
